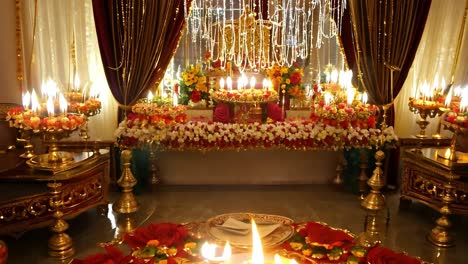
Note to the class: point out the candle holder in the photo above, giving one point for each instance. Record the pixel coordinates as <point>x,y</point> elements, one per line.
<point>457,130</point>
<point>26,136</point>
<point>425,109</point>
<point>84,127</point>
<point>54,155</point>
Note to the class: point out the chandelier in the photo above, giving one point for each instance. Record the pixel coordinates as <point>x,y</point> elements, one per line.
<point>256,34</point>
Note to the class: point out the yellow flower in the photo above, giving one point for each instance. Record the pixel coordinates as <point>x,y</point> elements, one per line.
<point>288,81</point>
<point>172,251</point>
<point>296,245</point>
<point>307,252</point>
<point>190,245</point>
<point>284,70</point>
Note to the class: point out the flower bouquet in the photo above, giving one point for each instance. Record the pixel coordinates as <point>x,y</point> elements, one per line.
<point>288,82</point>
<point>193,88</point>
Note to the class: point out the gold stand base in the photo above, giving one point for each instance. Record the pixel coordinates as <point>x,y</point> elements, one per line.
<point>440,238</point>
<point>61,246</point>
<point>126,204</point>
<point>27,155</point>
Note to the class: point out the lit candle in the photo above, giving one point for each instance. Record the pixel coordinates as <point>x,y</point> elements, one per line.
<point>63,104</point>
<point>35,105</point>
<point>443,85</point>
<point>175,99</point>
<point>252,82</point>
<point>334,76</point>
<point>150,96</point>
<point>50,106</point>
<point>221,83</point>
<point>448,99</point>
<point>364,98</point>
<point>270,85</point>
<point>77,83</point>
<point>229,83</point>
<point>457,91</point>
<point>464,101</point>
<point>265,84</point>
<point>26,100</point>
<point>209,252</point>
<point>350,98</point>
<point>435,85</point>
<point>257,250</point>
<point>239,83</point>
<point>245,81</point>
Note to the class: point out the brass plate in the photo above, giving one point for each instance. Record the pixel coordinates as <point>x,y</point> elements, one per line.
<point>274,239</point>
<point>67,160</point>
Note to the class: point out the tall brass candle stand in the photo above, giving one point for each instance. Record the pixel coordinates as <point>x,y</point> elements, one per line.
<point>340,166</point>
<point>154,169</point>
<point>60,243</point>
<point>127,202</point>
<point>440,235</point>
<point>375,201</point>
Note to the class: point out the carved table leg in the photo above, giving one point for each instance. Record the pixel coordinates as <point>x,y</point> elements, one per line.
<point>60,243</point>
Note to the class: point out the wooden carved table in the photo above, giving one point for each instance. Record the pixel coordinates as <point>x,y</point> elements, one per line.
<point>33,198</point>
<point>438,183</point>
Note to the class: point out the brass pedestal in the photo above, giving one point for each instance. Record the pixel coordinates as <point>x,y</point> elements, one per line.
<point>127,202</point>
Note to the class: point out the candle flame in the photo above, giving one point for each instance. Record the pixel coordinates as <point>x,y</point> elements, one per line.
<point>150,96</point>
<point>257,250</point>
<point>221,83</point>
<point>252,82</point>
<point>63,104</point>
<point>50,106</point>
<point>26,99</point>
<point>229,83</point>
<point>448,99</point>
<point>364,98</point>
<point>350,97</point>
<point>208,252</point>
<point>34,101</point>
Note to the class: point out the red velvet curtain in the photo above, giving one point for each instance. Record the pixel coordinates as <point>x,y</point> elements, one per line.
<point>137,40</point>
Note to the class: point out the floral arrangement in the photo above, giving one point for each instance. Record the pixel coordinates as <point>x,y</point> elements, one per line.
<point>357,114</point>
<point>90,107</point>
<point>193,86</point>
<point>317,243</point>
<point>29,120</point>
<point>169,243</point>
<point>287,135</point>
<point>288,79</point>
<point>457,118</point>
<point>149,122</point>
<point>249,95</point>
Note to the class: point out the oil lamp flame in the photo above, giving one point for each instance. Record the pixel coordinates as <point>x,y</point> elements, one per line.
<point>257,250</point>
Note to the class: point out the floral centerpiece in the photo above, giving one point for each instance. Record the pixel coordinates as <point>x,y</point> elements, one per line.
<point>193,88</point>
<point>89,107</point>
<point>149,122</point>
<point>23,119</point>
<point>457,118</point>
<point>249,95</point>
<point>287,80</point>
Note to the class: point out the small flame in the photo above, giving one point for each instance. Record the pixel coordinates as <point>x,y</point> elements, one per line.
<point>350,97</point>
<point>34,101</point>
<point>63,104</point>
<point>229,83</point>
<point>50,106</point>
<point>364,98</point>
<point>26,99</point>
<point>150,96</point>
<point>208,252</point>
<point>252,82</point>
<point>221,83</point>
<point>448,99</point>
<point>257,250</point>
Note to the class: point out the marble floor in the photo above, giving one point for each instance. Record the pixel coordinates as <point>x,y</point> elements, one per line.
<point>405,231</point>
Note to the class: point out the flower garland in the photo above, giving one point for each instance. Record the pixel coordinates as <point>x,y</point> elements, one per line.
<point>28,120</point>
<point>357,115</point>
<point>193,85</point>
<point>250,95</point>
<point>205,136</point>
<point>288,79</point>
<point>312,242</point>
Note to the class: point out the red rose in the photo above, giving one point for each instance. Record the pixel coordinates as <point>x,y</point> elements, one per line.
<point>380,255</point>
<point>196,96</point>
<point>168,234</point>
<point>371,122</point>
<point>217,64</point>
<point>222,113</point>
<point>176,88</point>
<point>295,78</point>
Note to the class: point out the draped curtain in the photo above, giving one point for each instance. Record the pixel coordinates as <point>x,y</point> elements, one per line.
<point>137,40</point>
<point>48,30</point>
<point>435,56</point>
<point>386,35</point>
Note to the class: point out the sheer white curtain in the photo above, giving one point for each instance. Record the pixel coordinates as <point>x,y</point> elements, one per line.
<point>49,28</point>
<point>435,55</point>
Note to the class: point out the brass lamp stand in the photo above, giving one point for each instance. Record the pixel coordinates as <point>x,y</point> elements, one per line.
<point>374,201</point>
<point>26,135</point>
<point>60,243</point>
<point>127,202</point>
<point>424,111</point>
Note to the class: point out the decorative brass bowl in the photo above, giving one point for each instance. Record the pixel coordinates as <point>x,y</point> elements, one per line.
<point>425,109</point>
